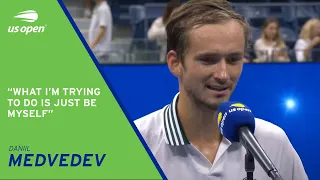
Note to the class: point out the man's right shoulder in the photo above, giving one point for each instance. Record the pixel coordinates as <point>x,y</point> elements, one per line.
<point>150,126</point>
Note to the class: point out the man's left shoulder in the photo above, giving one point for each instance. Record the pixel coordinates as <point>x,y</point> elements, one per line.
<point>277,145</point>
<point>104,7</point>
<point>269,132</point>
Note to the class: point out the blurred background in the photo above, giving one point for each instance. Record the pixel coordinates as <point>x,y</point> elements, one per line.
<point>282,30</point>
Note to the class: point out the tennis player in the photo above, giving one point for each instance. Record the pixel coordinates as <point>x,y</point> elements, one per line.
<point>206,51</point>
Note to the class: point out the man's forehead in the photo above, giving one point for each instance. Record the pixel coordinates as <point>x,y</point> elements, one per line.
<point>224,26</point>
<point>220,38</point>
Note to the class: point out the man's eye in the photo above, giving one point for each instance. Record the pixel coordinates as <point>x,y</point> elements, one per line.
<point>210,60</point>
<point>205,61</point>
<point>234,59</point>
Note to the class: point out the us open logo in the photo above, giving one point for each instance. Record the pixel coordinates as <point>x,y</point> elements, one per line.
<point>28,16</point>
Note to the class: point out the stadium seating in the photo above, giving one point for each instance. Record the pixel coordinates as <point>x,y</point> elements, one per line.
<point>291,17</point>
<point>256,33</point>
<point>139,15</point>
<point>289,36</point>
<point>140,46</point>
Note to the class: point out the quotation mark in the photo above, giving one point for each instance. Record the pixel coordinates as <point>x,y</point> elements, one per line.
<point>10,89</point>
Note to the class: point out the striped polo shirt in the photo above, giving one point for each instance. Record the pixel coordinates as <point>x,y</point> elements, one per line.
<point>180,160</point>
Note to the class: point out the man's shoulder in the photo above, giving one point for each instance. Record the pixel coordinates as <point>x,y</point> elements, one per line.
<point>104,7</point>
<point>150,126</point>
<point>277,145</point>
<point>269,132</point>
<point>149,121</point>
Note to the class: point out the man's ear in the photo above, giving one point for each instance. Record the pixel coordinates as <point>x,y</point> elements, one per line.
<point>174,63</point>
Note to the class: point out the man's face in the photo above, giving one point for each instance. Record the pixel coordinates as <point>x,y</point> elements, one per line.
<point>213,62</point>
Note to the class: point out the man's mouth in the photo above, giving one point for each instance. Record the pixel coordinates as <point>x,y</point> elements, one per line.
<point>217,88</point>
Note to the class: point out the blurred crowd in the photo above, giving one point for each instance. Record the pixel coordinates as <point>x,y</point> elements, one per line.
<point>269,46</point>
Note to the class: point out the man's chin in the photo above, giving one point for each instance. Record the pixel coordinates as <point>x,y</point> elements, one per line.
<point>214,103</point>
<point>209,100</point>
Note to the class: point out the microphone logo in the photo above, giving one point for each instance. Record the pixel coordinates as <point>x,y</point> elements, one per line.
<point>237,105</point>
<point>220,120</point>
<point>219,117</point>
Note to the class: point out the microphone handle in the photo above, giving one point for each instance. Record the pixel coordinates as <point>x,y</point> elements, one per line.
<point>251,144</point>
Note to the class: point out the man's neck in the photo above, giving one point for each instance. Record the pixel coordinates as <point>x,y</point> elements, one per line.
<point>199,123</point>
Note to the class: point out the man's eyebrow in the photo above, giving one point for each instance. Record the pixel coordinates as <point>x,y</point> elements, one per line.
<point>236,53</point>
<point>209,54</point>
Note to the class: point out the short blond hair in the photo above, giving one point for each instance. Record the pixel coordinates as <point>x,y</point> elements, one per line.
<point>306,29</point>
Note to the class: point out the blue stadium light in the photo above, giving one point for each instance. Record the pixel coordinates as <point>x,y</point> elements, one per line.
<point>290,104</point>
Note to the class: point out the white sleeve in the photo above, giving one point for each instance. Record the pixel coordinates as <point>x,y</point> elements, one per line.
<point>103,18</point>
<point>299,48</point>
<point>157,30</point>
<point>291,164</point>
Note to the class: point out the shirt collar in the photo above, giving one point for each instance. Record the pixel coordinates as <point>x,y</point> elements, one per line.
<point>174,133</point>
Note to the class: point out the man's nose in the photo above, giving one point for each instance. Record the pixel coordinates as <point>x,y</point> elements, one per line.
<point>221,72</point>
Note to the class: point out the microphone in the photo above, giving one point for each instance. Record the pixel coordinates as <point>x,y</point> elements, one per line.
<point>236,122</point>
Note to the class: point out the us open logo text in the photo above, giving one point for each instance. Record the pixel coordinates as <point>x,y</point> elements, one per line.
<point>28,16</point>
